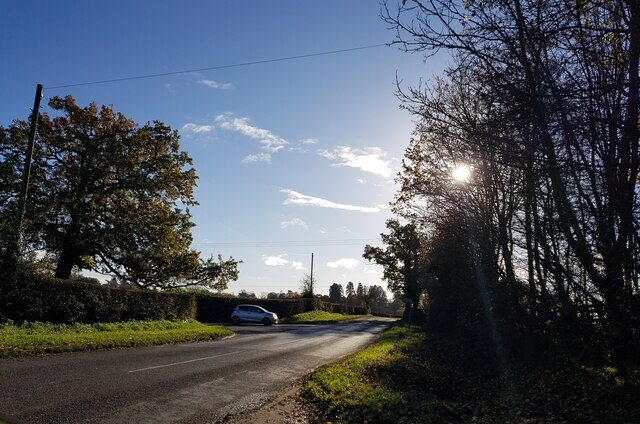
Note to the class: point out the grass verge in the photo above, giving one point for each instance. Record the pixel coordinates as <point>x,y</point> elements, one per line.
<point>410,377</point>
<point>318,317</point>
<point>346,392</point>
<point>38,338</point>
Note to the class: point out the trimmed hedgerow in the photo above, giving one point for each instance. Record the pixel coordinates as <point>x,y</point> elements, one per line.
<point>46,299</point>
<point>218,309</point>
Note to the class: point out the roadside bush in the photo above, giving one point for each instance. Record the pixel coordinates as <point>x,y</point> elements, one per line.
<point>37,297</point>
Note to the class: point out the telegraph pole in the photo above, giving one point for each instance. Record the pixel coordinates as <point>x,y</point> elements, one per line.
<point>22,200</point>
<point>311,273</point>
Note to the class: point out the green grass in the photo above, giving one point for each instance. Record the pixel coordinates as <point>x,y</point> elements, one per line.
<point>318,317</point>
<point>347,392</point>
<point>38,338</point>
<point>411,377</point>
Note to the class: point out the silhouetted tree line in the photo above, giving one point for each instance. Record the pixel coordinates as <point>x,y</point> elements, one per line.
<point>373,298</point>
<point>540,248</point>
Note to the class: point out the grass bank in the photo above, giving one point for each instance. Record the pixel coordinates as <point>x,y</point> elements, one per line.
<point>318,317</point>
<point>38,338</point>
<point>410,377</point>
<point>349,390</point>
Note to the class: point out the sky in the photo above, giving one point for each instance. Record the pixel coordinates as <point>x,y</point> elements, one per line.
<point>294,157</point>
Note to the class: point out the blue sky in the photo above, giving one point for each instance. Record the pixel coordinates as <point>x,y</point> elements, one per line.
<point>293,157</point>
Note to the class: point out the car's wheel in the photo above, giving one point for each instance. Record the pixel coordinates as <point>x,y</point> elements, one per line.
<point>266,321</point>
<point>235,320</point>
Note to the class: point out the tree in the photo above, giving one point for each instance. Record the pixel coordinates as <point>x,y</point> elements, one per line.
<point>553,93</point>
<point>376,299</point>
<point>109,195</point>
<point>360,295</point>
<point>306,286</point>
<point>336,292</point>
<point>247,295</point>
<point>350,292</point>
<point>401,259</point>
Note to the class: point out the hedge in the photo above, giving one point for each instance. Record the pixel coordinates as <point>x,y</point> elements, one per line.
<point>40,297</point>
<point>218,309</point>
<point>46,299</point>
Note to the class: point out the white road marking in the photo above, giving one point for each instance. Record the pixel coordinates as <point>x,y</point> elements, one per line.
<point>185,362</point>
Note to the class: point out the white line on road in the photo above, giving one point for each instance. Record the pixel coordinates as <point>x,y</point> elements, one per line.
<point>186,362</point>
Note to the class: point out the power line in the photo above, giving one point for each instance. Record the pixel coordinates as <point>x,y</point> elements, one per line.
<point>287,243</point>
<point>212,68</point>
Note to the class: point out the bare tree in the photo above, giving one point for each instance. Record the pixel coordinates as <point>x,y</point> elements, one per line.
<point>543,100</point>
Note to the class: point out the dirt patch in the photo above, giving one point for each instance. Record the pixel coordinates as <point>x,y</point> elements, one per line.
<point>285,408</point>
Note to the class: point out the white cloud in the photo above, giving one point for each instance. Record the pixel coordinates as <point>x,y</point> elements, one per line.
<point>191,128</point>
<point>259,157</point>
<point>216,85</point>
<point>361,181</point>
<point>281,260</point>
<point>275,261</point>
<point>310,141</point>
<point>348,263</point>
<point>295,222</point>
<point>368,160</point>
<point>270,142</point>
<point>295,198</point>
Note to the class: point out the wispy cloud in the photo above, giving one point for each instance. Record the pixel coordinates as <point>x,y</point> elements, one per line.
<point>297,265</point>
<point>309,141</point>
<point>259,157</point>
<point>270,142</point>
<point>347,263</point>
<point>191,128</point>
<point>281,260</point>
<point>369,159</point>
<point>295,198</point>
<point>295,222</point>
<point>216,85</point>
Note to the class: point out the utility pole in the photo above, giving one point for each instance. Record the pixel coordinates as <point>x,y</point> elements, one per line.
<point>311,273</point>
<point>22,200</point>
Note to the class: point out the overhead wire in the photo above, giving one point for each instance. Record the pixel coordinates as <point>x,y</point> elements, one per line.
<point>247,244</point>
<point>213,68</point>
<point>287,243</point>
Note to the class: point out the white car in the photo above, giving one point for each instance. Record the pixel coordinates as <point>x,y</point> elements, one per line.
<point>253,313</point>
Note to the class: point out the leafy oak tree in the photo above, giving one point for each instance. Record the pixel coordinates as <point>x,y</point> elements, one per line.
<point>109,195</point>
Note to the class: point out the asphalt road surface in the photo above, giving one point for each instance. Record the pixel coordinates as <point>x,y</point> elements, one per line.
<point>186,383</point>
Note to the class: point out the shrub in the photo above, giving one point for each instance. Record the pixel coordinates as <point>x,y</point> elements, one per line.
<point>38,297</point>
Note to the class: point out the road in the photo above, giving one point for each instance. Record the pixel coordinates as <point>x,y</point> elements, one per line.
<point>186,383</point>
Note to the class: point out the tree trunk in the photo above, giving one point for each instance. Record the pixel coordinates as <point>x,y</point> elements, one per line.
<point>65,264</point>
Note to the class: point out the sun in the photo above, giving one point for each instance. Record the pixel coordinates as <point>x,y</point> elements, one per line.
<point>461,173</point>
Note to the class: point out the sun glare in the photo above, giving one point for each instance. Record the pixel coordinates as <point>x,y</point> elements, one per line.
<point>461,173</point>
